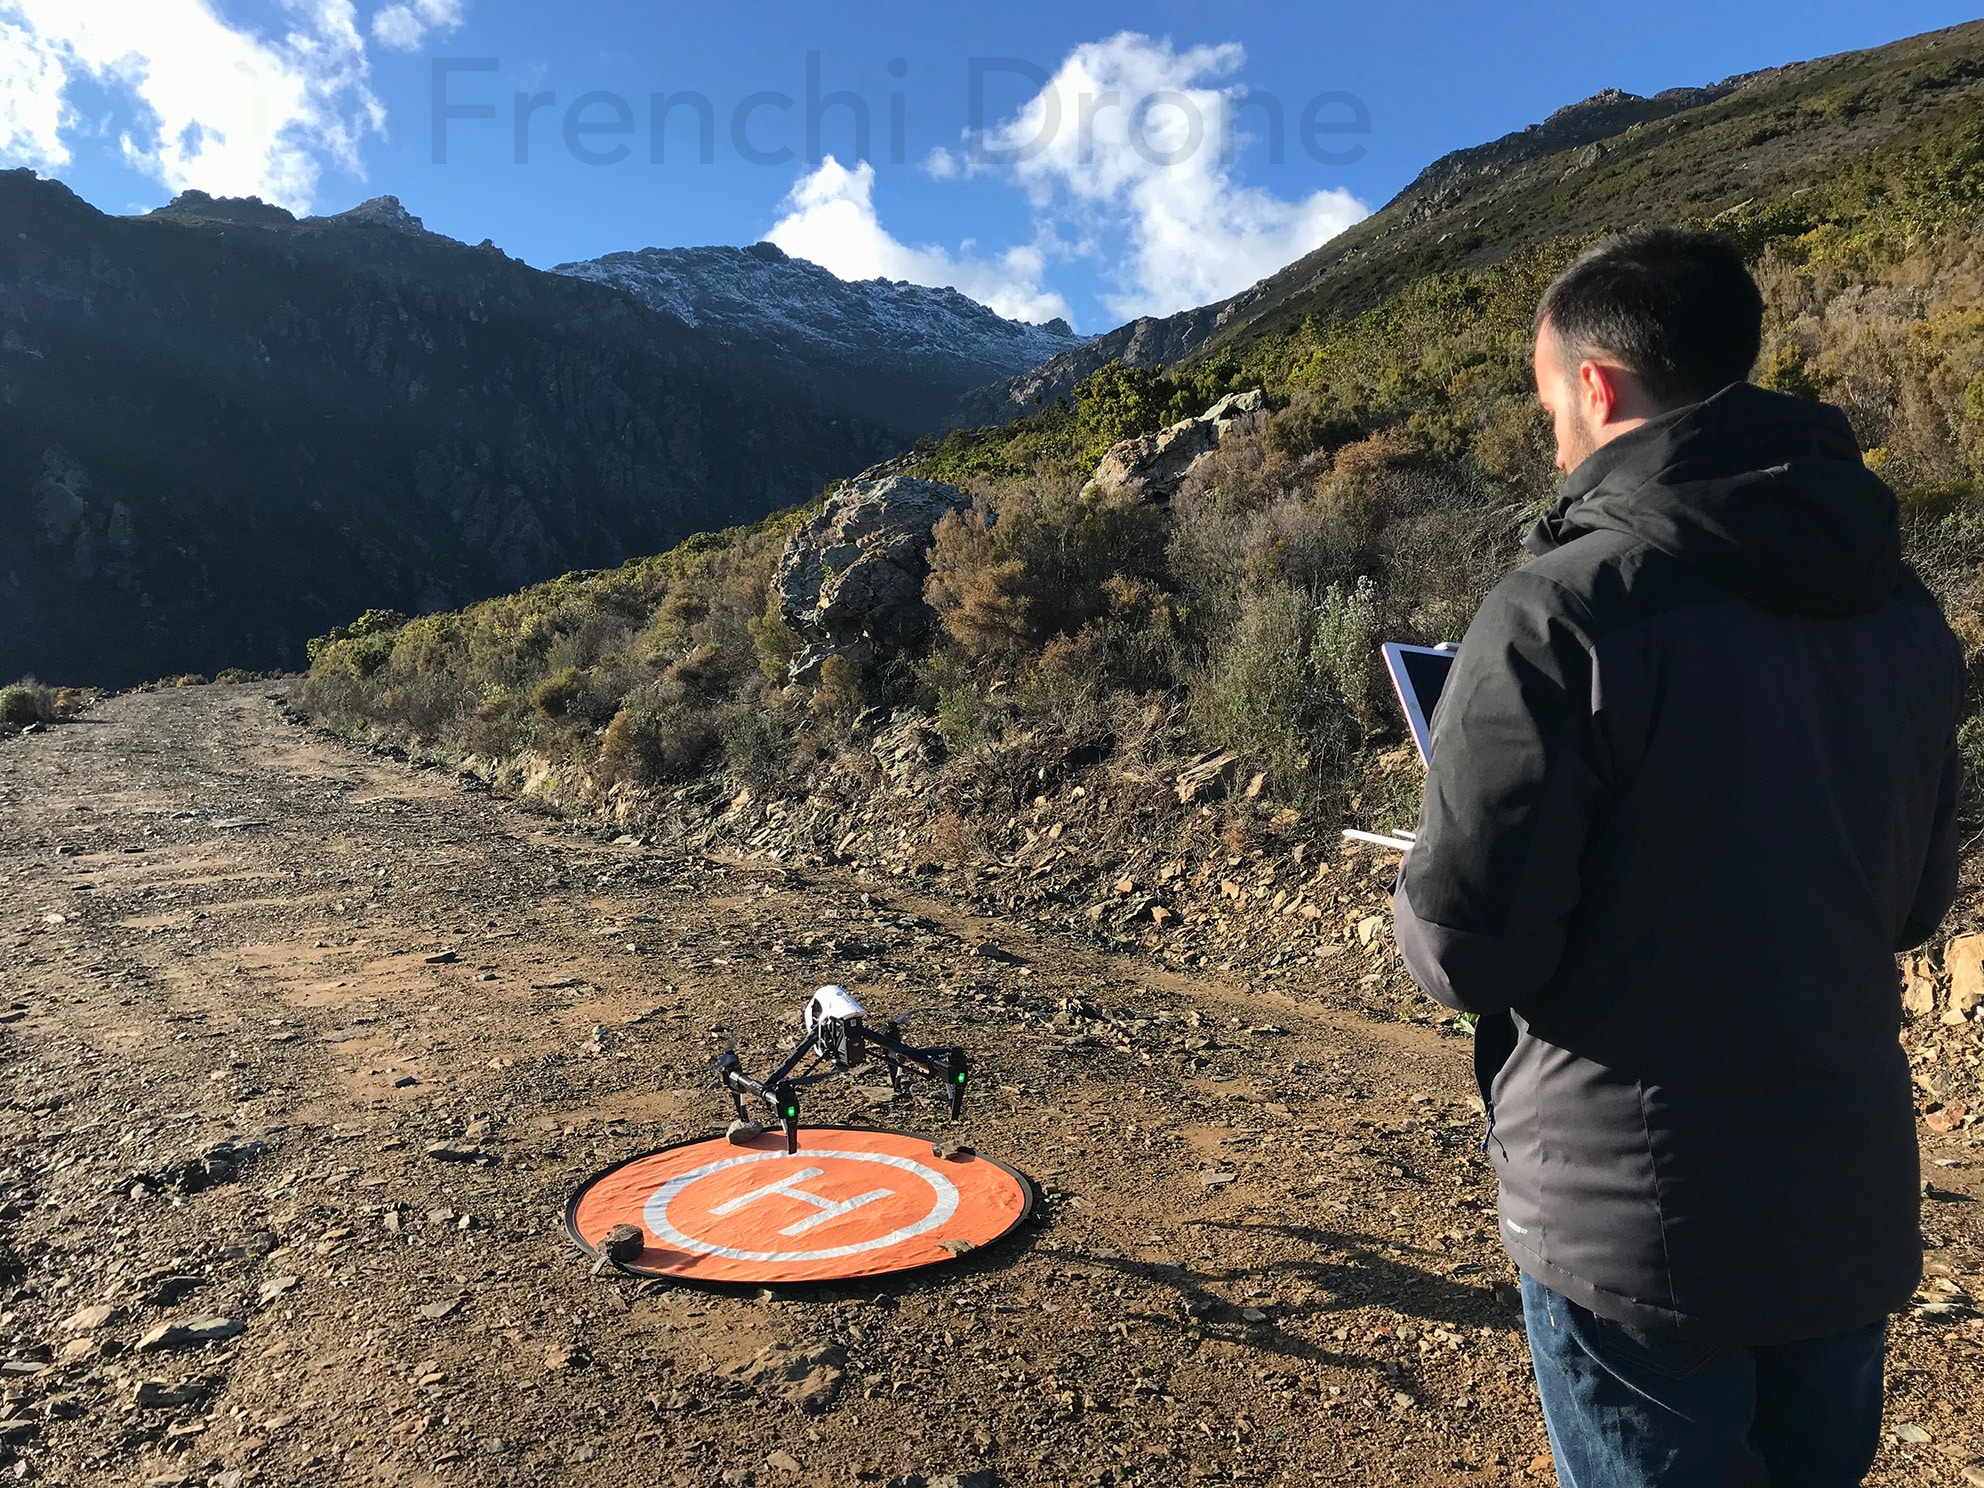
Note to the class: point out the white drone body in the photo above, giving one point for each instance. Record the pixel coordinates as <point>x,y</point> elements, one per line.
<point>831,1003</point>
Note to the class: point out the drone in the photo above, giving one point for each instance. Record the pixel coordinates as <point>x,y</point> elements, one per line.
<point>838,1039</point>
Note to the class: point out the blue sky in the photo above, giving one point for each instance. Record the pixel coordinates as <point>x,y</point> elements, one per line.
<point>1098,183</point>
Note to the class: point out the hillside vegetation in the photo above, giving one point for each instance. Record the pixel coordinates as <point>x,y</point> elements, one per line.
<point>1379,496</point>
<point>1609,161</point>
<point>1382,492</point>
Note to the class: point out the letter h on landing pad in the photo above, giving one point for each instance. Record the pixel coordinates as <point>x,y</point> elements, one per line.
<point>788,1187</point>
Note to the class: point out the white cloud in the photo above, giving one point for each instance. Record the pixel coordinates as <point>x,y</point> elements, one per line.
<point>829,218</point>
<point>31,109</point>
<point>404,26</point>
<point>1128,137</point>
<point>1125,157</point>
<point>223,109</point>
<point>941,165</point>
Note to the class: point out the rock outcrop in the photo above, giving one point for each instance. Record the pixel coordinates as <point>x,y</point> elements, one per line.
<point>1146,341</point>
<point>851,580</point>
<point>386,212</point>
<point>1151,467</point>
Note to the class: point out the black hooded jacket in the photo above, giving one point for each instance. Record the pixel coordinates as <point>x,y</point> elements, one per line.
<point>1693,784</point>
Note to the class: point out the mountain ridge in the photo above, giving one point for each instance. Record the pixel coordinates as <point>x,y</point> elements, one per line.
<point>1571,173</point>
<point>896,353</point>
<point>224,429</point>
<point>1155,341</point>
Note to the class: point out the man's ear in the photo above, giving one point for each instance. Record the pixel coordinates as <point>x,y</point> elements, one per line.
<point>1599,391</point>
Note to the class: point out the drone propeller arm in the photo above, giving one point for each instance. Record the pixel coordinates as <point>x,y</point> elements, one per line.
<point>949,1066</point>
<point>808,1045</point>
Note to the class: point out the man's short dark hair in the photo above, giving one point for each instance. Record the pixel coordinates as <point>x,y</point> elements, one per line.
<point>1677,308</point>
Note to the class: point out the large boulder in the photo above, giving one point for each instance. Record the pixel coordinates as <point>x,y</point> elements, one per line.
<point>1963,959</point>
<point>851,580</point>
<point>1151,467</point>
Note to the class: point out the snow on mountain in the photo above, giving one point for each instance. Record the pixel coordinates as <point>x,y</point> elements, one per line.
<point>899,353</point>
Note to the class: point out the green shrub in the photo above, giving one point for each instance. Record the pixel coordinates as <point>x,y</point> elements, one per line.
<point>1784,371</point>
<point>1259,695</point>
<point>1970,742</point>
<point>842,692</point>
<point>774,641</point>
<point>756,747</point>
<point>26,702</point>
<point>1344,653</point>
<point>653,740</point>
<point>582,696</point>
<point>950,691</point>
<point>1296,684</point>
<point>371,623</point>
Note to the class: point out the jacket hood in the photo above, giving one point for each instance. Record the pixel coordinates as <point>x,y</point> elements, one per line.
<point>1764,492</point>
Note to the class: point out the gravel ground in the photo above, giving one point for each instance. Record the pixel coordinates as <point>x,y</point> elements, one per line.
<point>255,976</point>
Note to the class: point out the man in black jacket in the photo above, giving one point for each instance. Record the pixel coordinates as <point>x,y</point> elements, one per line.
<point>1693,784</point>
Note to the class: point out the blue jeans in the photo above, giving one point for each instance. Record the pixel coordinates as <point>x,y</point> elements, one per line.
<point>1630,1409</point>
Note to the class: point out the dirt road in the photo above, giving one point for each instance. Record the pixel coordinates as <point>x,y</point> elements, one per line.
<point>255,976</point>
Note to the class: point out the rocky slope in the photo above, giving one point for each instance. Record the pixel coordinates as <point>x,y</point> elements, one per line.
<point>1147,341</point>
<point>892,353</point>
<point>1610,161</point>
<point>224,430</point>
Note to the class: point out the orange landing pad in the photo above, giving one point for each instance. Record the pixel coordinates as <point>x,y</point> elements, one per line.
<point>850,1202</point>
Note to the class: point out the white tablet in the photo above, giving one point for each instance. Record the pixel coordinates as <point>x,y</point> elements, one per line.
<point>1418,673</point>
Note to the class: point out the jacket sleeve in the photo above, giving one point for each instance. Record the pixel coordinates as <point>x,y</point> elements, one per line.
<point>1937,889</point>
<point>1485,896</point>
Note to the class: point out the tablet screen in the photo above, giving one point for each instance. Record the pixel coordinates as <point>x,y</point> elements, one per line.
<point>1418,673</point>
